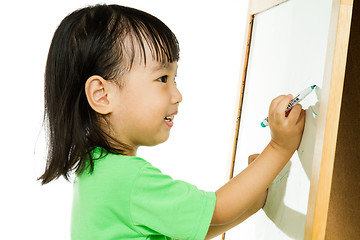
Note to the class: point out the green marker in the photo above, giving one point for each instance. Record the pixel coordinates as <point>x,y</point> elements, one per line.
<point>298,98</point>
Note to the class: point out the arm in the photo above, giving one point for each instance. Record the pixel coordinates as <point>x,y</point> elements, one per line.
<point>236,196</point>
<point>216,230</point>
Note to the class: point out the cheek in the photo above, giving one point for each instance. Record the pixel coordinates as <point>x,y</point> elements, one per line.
<point>145,110</point>
<point>151,104</point>
<point>144,107</point>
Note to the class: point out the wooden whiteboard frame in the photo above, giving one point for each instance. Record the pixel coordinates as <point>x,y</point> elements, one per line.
<point>328,121</point>
<point>255,7</point>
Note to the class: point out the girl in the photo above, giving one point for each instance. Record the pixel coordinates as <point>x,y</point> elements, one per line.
<point>110,88</point>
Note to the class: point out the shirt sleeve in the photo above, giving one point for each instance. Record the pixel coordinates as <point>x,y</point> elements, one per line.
<point>163,206</point>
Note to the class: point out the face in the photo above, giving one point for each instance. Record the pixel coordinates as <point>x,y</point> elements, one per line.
<point>144,107</point>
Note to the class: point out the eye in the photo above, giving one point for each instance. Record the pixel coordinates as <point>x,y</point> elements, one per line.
<point>163,79</point>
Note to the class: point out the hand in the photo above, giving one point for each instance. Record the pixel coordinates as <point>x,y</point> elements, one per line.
<point>286,130</point>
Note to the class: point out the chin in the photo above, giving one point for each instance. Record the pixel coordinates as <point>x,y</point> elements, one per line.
<point>162,140</point>
<point>157,141</point>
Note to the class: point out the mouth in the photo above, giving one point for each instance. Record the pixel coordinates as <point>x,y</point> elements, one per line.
<point>169,119</point>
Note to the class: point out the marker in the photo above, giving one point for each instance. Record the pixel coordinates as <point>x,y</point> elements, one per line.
<point>298,98</point>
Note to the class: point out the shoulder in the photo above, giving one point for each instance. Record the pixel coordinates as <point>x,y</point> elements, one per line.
<point>114,166</point>
<point>151,182</point>
<point>120,161</point>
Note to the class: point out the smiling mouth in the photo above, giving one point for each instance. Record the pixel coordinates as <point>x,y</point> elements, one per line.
<point>169,118</point>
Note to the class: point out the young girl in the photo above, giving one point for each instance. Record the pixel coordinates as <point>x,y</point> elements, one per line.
<point>110,88</point>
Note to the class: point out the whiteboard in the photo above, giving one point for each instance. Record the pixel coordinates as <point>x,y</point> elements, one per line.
<point>287,54</point>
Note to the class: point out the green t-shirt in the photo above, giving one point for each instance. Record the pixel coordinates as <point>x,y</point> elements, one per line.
<point>127,198</point>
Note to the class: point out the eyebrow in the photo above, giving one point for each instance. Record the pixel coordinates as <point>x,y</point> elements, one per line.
<point>159,66</point>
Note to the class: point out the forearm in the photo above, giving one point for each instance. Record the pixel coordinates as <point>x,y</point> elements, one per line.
<point>216,230</point>
<point>235,197</point>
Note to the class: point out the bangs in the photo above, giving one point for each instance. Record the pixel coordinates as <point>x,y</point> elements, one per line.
<point>144,30</point>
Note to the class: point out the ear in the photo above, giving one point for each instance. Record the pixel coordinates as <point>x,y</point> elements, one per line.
<point>97,90</point>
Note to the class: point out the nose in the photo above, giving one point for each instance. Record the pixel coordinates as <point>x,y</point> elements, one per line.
<point>176,96</point>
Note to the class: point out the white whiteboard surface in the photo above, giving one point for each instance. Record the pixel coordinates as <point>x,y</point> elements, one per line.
<point>287,55</point>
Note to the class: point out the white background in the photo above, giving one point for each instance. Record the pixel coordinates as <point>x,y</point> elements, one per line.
<point>210,34</point>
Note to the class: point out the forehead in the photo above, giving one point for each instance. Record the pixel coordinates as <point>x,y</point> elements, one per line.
<point>156,66</point>
<point>153,67</point>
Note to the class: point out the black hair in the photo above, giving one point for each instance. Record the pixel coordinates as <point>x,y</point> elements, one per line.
<point>96,40</point>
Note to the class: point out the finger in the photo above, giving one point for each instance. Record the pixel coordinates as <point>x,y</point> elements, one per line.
<point>294,114</point>
<point>274,106</point>
<point>275,102</point>
<point>281,107</point>
<point>302,118</point>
